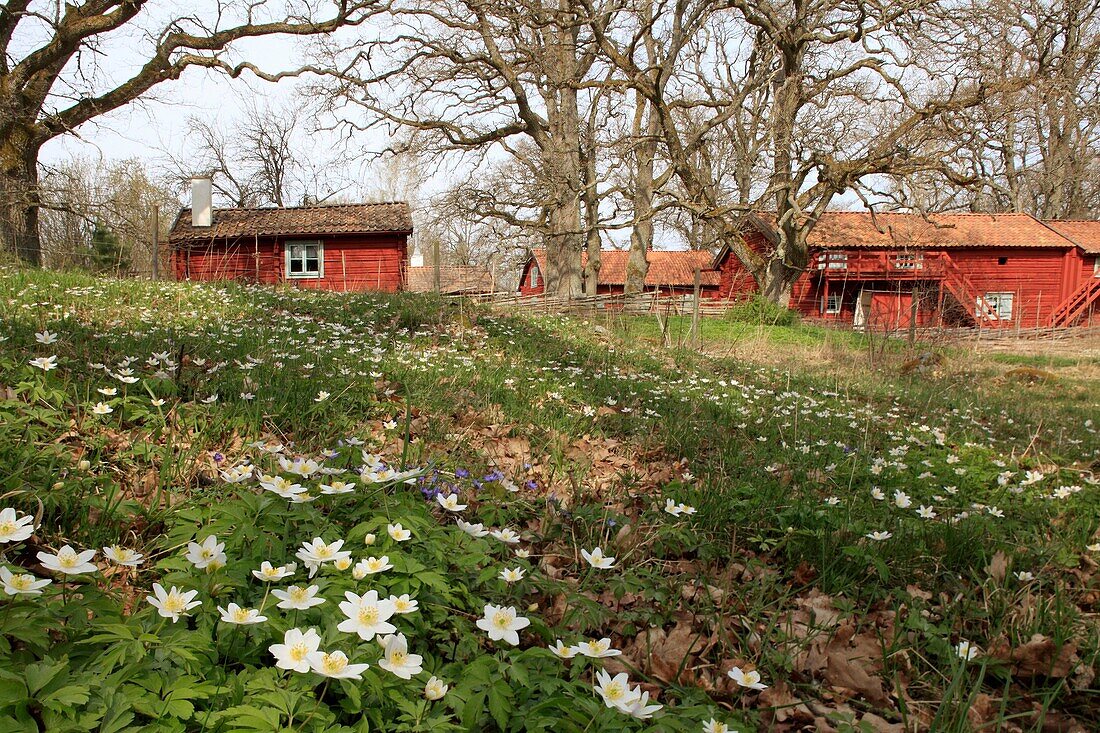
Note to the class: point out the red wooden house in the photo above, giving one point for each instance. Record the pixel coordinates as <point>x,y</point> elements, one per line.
<point>342,247</point>
<point>670,272</point>
<point>885,270</point>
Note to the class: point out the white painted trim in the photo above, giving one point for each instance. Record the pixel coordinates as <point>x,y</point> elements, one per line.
<point>319,275</point>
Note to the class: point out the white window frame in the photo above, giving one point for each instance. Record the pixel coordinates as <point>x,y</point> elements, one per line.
<point>304,275</point>
<point>909,261</point>
<point>997,302</point>
<point>833,310</point>
<point>833,261</point>
<point>535,274</point>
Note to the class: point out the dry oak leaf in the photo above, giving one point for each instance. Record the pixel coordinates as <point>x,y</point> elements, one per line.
<point>1040,657</point>
<point>998,567</point>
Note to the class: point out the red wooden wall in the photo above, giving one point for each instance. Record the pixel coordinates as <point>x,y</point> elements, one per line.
<point>1037,277</point>
<point>352,262</point>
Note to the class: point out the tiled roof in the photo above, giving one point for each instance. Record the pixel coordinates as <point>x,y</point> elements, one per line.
<point>666,267</point>
<point>850,229</point>
<point>1085,233</point>
<point>451,280</point>
<point>296,221</point>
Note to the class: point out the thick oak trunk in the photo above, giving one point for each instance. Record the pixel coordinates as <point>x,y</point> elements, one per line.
<point>19,198</point>
<point>641,234</point>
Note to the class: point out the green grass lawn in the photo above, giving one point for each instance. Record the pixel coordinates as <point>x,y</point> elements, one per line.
<point>853,522</point>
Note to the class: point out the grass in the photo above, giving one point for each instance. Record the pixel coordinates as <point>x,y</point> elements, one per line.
<point>778,433</point>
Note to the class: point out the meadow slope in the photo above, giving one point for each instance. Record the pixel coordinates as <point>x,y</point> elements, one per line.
<point>794,544</point>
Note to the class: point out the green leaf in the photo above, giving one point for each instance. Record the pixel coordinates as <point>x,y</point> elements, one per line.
<point>39,674</point>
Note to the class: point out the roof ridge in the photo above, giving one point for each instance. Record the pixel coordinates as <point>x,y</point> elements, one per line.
<point>308,206</point>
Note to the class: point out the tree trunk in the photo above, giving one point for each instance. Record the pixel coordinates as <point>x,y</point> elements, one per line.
<point>641,235</point>
<point>776,282</point>
<point>591,274</point>
<point>19,197</point>
<point>563,267</point>
<point>562,158</point>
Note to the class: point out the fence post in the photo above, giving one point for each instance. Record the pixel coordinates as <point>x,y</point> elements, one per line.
<point>154,240</point>
<point>695,311</point>
<point>435,266</point>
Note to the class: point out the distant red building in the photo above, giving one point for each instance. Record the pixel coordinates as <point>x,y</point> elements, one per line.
<point>342,247</point>
<point>453,280</point>
<point>670,272</point>
<point>884,270</point>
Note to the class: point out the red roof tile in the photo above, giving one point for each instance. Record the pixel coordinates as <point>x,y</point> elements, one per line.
<point>666,267</point>
<point>295,221</point>
<point>851,229</point>
<point>1085,233</point>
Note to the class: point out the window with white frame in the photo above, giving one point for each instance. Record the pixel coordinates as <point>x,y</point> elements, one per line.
<point>909,261</point>
<point>832,303</point>
<point>305,259</point>
<point>833,261</point>
<point>534,276</point>
<point>1001,304</point>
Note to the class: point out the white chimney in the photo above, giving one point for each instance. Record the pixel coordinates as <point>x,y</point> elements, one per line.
<point>201,201</point>
<point>416,261</point>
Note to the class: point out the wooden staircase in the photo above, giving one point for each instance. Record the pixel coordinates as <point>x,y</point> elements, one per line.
<point>962,289</point>
<point>1077,304</point>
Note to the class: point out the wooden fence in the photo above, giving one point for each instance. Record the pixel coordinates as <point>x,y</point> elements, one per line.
<point>684,305</point>
<point>599,304</point>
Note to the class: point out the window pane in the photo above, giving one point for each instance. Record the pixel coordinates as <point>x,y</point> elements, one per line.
<point>312,265</point>
<point>295,264</point>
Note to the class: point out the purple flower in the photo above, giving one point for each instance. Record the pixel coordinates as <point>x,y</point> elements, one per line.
<point>218,458</point>
<point>462,473</point>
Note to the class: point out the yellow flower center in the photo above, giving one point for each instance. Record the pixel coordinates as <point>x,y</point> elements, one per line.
<point>298,652</point>
<point>241,615</point>
<point>368,615</point>
<point>402,605</point>
<point>324,552</point>
<point>67,559</point>
<point>174,603</point>
<point>398,658</point>
<point>334,663</point>
<point>297,594</point>
<point>22,582</point>
<point>7,527</point>
<point>502,619</point>
<point>614,691</point>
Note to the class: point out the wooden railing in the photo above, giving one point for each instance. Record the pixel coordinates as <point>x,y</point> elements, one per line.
<point>839,264</point>
<point>1075,306</point>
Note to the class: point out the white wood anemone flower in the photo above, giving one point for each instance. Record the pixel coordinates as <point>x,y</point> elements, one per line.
<point>293,653</point>
<point>367,615</point>
<point>396,658</point>
<point>597,559</point>
<point>502,623</point>
<point>173,603</point>
<point>68,561</point>
<point>335,665</point>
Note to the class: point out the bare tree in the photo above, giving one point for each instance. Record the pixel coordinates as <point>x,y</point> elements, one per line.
<point>849,88</point>
<point>44,92</point>
<point>1036,150</point>
<point>84,196</point>
<point>266,158</point>
<point>487,77</point>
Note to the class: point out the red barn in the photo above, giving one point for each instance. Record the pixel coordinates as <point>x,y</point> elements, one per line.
<point>342,247</point>
<point>670,272</point>
<point>885,270</point>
